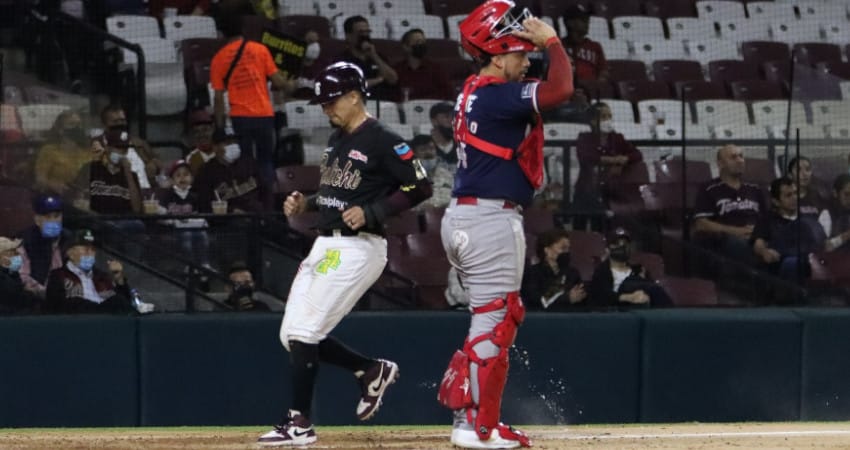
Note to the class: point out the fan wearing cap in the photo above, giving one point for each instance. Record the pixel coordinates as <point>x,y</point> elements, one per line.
<point>618,282</point>
<point>499,134</point>
<point>441,115</point>
<point>181,199</point>
<point>201,131</point>
<point>14,297</point>
<point>42,243</point>
<point>587,55</point>
<point>368,174</point>
<point>232,176</point>
<point>79,287</point>
<point>112,186</point>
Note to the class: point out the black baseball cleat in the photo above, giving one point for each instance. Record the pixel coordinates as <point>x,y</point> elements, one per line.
<point>297,431</point>
<point>373,383</point>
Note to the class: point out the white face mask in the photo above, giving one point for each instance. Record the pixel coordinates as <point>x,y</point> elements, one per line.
<point>312,51</point>
<point>606,126</point>
<point>182,193</point>
<point>232,152</point>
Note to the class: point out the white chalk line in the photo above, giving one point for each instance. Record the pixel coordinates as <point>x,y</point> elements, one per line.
<point>562,435</point>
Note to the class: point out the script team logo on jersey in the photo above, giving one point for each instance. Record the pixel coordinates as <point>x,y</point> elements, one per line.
<point>354,154</point>
<point>403,151</point>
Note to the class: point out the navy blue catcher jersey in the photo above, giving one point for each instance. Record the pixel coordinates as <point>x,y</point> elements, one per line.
<point>500,114</point>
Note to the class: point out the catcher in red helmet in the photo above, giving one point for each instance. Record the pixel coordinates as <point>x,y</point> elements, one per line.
<point>500,164</point>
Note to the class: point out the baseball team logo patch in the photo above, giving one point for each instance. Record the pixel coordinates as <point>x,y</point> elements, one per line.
<point>330,262</point>
<point>355,154</point>
<point>403,151</point>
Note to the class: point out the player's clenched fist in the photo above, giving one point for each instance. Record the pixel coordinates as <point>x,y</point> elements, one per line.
<point>295,203</point>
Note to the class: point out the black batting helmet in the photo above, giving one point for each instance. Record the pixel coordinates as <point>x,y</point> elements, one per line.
<point>337,80</point>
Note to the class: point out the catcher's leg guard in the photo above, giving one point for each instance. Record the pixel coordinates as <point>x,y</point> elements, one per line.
<point>493,372</point>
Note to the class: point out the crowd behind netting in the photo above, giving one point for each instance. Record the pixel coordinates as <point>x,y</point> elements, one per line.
<point>703,160</point>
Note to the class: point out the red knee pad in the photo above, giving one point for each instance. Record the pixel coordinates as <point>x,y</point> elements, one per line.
<point>455,390</point>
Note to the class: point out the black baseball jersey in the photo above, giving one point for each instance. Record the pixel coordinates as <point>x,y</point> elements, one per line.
<point>722,203</point>
<point>362,168</point>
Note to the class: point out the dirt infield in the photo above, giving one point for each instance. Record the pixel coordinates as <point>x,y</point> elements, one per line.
<point>677,436</point>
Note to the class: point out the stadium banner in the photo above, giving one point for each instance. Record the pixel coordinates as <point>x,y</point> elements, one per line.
<point>287,51</point>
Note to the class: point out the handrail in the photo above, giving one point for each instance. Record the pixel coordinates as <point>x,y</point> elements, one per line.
<point>141,93</point>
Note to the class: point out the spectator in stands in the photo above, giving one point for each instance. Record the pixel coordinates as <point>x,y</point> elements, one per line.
<point>180,199</point>
<point>232,177</point>
<point>112,186</point>
<point>201,123</point>
<point>456,296</point>
<point>617,282</point>
<point>441,115</point>
<point>14,297</point>
<point>79,287</point>
<point>360,51</point>
<point>241,68</point>
<point>811,201</point>
<point>438,171</point>
<point>418,75</point>
<point>241,296</point>
<point>587,55</point>
<point>42,243</point>
<point>577,110</point>
<point>158,8</point>
<point>782,240</point>
<point>835,219</point>
<point>63,155</point>
<point>727,209</point>
<point>552,284</point>
<point>143,160</point>
<point>603,155</point>
<point>302,88</point>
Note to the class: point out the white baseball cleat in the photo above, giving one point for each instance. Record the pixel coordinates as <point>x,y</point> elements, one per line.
<point>502,436</point>
<point>373,383</point>
<point>298,431</point>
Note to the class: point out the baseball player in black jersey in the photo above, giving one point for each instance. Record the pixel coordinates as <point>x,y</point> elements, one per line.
<point>368,174</point>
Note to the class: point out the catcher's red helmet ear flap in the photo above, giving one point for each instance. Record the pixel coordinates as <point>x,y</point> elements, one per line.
<point>337,80</point>
<point>487,30</point>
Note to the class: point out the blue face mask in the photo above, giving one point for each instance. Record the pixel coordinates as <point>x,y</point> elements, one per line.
<point>115,158</point>
<point>86,263</point>
<point>51,229</point>
<point>15,263</point>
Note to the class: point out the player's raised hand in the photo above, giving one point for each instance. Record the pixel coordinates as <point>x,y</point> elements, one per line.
<point>536,31</point>
<point>295,203</point>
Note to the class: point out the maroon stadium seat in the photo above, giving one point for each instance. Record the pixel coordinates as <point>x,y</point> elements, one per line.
<point>199,50</point>
<point>586,250</point>
<point>669,171</point>
<point>537,220</point>
<point>652,262</point>
<point>405,223</point>
<point>669,8</point>
<point>761,51</point>
<point>829,167</point>
<point>625,200</point>
<point>759,171</point>
<point>297,25</point>
<point>812,53</point>
<point>16,210</point>
<point>443,48</point>
<point>637,90</point>
<point>596,89</point>
<point>433,219</point>
<point>613,8</point>
<point>625,70</point>
<point>556,8</point>
<point>424,245</point>
<point>390,49</point>
<point>689,291</point>
<point>429,275</point>
<point>304,179</point>
<point>757,90</point>
<point>778,71</point>
<point>700,90</point>
<point>396,247</point>
<point>729,70</point>
<point>331,48</point>
<point>673,70</point>
<point>836,69</point>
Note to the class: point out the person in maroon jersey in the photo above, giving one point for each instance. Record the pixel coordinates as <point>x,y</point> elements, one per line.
<point>587,56</point>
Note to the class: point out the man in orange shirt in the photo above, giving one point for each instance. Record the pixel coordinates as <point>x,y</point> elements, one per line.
<point>250,105</point>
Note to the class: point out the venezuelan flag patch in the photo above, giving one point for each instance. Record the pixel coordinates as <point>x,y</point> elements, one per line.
<point>403,151</point>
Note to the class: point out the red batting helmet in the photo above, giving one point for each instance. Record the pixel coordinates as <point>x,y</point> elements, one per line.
<point>487,30</point>
<point>337,80</point>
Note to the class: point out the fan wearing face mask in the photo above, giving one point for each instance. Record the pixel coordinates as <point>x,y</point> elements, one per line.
<point>111,184</point>
<point>14,297</point>
<point>439,172</point>
<point>361,52</point>
<point>553,284</point>
<point>231,176</point>
<point>604,156</point>
<point>41,251</point>
<point>418,75</point>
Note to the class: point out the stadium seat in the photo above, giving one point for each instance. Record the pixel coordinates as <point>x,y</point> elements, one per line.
<point>777,71</point>
<point>615,8</point>
<point>733,131</point>
<point>637,28</point>
<point>156,50</point>
<point>719,112</point>
<point>402,129</point>
<point>331,48</point>
<point>812,53</point>
<point>836,69</point>
<point>38,118</point>
<point>633,131</point>
<point>433,219</point>
<point>795,32</point>
<point>621,110</point>
<point>828,167</point>
<point>738,29</point>
<point>658,112</point>
<point>615,50</point>
<point>586,251</point>
<point>418,112</point>
<point>691,28</point>
<point>652,262</point>
<point>689,292</point>
<point>805,130</point>
<point>429,275</point>
<point>712,50</point>
<point>16,210</point>
<point>199,50</point>
<point>828,112</point>
<point>823,12</point>
<point>406,222</point>
<point>537,220</point>
<point>298,25</point>
<point>729,70</point>
<point>810,86</point>
<point>390,8</point>
<point>759,171</point>
<point>700,90</point>
<point>673,132</point>
<point>440,49</point>
<point>626,70</point>
<point>670,171</point>
<point>166,89</point>
<point>770,11</point>
<point>636,90</point>
<point>597,30</point>
<point>775,112</point>
<point>178,28</point>
<point>844,86</point>
<point>13,95</point>
<point>431,25</point>
<point>596,89</point>
<point>719,9</point>
<point>673,70</point>
<point>133,28</point>
<point>446,8</point>
<point>651,51</point>
<point>563,131</point>
<point>390,49</point>
<point>303,116</point>
<point>756,90</point>
<point>298,7</point>
<point>424,245</point>
<point>761,51</point>
<point>669,9</point>
<point>346,8</point>
<point>304,179</point>
<point>836,31</point>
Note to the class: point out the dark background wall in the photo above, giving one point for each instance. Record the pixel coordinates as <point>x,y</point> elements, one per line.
<point>230,369</point>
